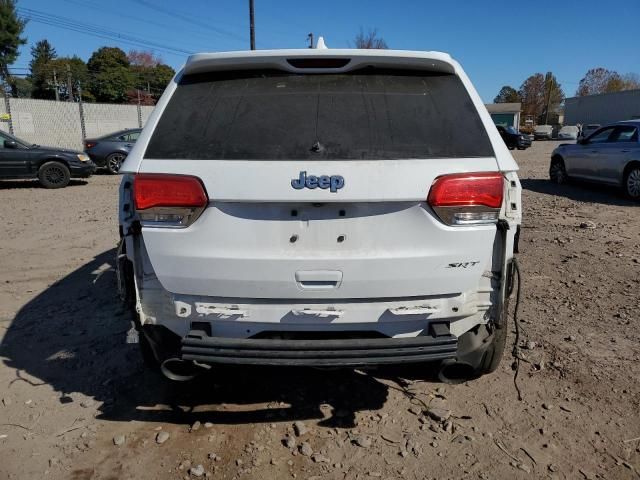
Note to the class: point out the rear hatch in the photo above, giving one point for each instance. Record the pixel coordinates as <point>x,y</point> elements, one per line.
<point>317,185</point>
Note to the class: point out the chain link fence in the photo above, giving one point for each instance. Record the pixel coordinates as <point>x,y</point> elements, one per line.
<point>67,124</point>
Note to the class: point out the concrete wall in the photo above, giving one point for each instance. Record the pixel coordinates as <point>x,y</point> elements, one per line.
<point>59,124</point>
<point>602,109</point>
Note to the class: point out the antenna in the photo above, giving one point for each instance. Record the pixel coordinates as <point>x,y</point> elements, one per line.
<point>321,45</point>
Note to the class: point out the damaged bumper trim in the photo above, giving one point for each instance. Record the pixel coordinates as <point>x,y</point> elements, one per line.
<point>198,346</point>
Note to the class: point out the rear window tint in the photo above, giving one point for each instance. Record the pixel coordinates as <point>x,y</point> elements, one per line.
<point>368,115</point>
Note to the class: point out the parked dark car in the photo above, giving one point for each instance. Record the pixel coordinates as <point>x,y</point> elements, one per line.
<point>53,167</point>
<point>110,150</point>
<point>513,138</point>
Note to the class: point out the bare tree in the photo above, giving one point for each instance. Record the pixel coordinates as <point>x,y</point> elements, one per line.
<point>141,58</point>
<point>600,80</point>
<point>371,39</point>
<point>631,81</point>
<point>532,93</point>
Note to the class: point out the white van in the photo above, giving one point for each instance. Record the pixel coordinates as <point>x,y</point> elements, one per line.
<point>319,208</point>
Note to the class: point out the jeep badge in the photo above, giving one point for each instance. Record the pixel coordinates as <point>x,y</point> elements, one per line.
<point>333,182</point>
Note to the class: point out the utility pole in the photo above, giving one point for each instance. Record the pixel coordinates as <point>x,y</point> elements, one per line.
<point>252,26</point>
<point>7,103</point>
<point>548,85</point>
<point>139,109</point>
<point>83,127</point>
<point>69,85</point>
<point>55,84</point>
<point>310,38</point>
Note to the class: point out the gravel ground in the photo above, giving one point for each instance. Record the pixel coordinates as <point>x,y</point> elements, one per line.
<point>76,402</point>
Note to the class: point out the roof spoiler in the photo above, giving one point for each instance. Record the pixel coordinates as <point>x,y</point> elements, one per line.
<point>319,60</point>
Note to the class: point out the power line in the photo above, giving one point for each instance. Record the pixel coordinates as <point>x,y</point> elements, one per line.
<point>146,21</point>
<point>185,18</point>
<point>96,31</point>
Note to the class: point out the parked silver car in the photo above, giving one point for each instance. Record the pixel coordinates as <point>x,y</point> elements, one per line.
<point>610,155</point>
<point>543,132</point>
<point>568,132</point>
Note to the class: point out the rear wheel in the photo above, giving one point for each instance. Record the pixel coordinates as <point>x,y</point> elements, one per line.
<point>557,171</point>
<point>631,183</point>
<point>54,175</point>
<point>494,353</point>
<point>114,162</point>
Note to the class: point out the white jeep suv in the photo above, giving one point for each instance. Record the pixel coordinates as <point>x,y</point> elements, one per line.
<point>319,208</point>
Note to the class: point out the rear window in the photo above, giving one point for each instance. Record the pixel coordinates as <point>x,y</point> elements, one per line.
<point>368,115</point>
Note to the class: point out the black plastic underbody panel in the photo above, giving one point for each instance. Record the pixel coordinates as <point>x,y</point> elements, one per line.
<point>344,352</point>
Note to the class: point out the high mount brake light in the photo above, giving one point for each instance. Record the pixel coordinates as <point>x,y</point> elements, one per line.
<point>467,198</point>
<point>164,200</point>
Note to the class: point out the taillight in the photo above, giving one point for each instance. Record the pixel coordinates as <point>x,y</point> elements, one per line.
<point>163,200</point>
<point>467,198</point>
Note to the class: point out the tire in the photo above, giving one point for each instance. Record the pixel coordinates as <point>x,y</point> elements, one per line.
<point>146,350</point>
<point>631,183</point>
<point>558,172</point>
<point>494,353</point>
<point>54,175</point>
<point>114,162</point>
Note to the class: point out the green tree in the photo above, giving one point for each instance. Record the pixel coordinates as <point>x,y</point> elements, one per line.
<point>507,94</point>
<point>11,28</point>
<point>79,75</point>
<point>23,87</point>
<point>160,78</point>
<point>42,53</point>
<point>151,76</point>
<point>110,75</point>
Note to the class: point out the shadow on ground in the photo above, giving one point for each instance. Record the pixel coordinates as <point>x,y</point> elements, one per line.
<point>72,336</point>
<point>580,191</point>
<point>32,183</point>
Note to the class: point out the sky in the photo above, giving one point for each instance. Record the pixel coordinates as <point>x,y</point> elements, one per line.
<point>497,42</point>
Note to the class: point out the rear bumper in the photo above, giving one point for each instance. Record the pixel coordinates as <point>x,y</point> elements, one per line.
<point>198,346</point>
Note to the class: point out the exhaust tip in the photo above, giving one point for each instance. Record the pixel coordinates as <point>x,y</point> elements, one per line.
<point>180,370</point>
<point>455,373</point>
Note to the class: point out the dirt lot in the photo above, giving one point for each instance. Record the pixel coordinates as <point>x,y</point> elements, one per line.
<point>71,388</point>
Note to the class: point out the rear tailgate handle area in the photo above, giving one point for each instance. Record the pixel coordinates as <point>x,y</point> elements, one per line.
<point>318,279</point>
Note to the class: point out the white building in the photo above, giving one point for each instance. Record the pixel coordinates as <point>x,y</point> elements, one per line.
<point>505,114</point>
<point>604,108</point>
